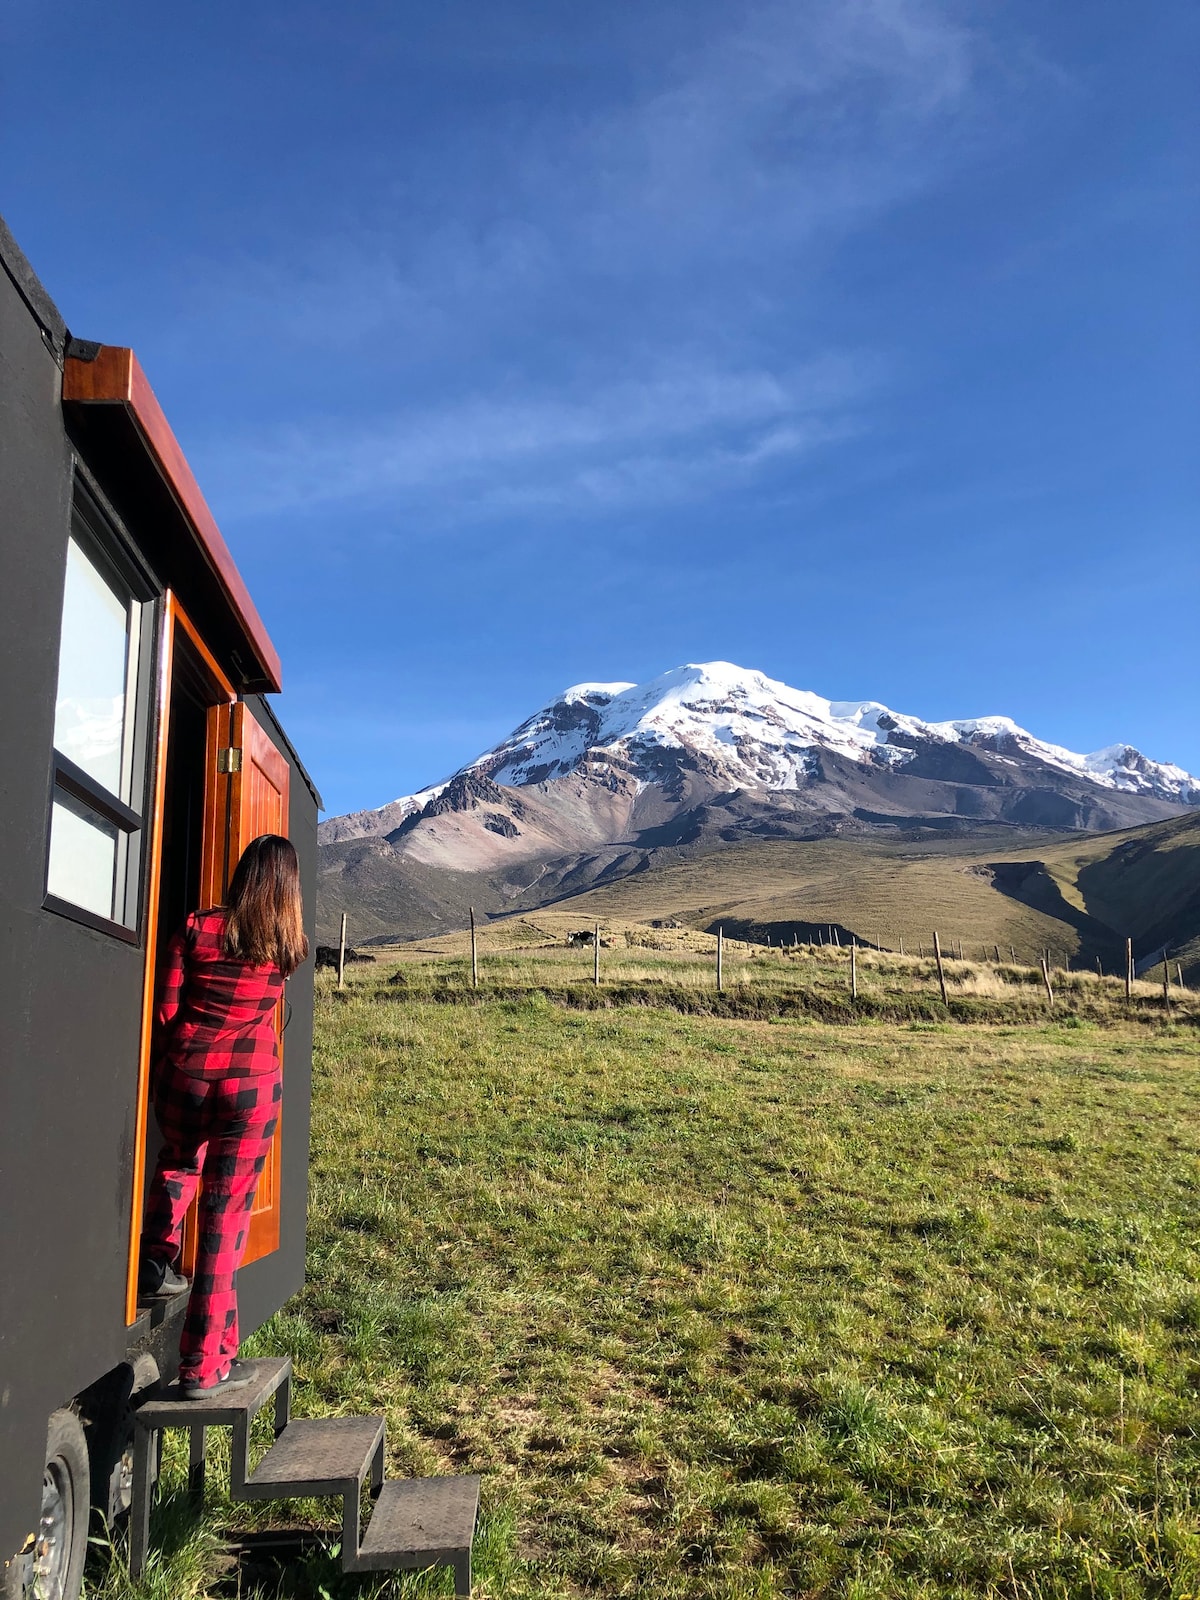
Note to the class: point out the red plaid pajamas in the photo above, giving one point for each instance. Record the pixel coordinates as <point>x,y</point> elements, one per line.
<point>217,1096</point>
<point>217,1132</point>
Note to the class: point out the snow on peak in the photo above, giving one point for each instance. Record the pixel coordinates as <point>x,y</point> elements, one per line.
<point>760,733</point>
<point>596,694</point>
<point>750,731</point>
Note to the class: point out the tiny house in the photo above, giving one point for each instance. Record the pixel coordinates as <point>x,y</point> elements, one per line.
<point>140,754</point>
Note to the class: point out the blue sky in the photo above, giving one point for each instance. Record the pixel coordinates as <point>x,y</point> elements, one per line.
<point>518,343</point>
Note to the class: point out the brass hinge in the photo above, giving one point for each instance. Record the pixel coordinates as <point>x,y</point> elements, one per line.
<point>229,759</point>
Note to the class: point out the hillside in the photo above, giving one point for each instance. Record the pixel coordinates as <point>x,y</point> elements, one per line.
<point>1080,898</point>
<point>1145,881</point>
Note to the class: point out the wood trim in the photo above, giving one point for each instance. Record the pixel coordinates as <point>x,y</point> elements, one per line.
<point>215,823</point>
<point>154,838</point>
<point>215,848</point>
<point>202,650</point>
<point>115,377</point>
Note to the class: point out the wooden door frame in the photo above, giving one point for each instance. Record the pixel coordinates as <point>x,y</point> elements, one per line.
<point>173,616</point>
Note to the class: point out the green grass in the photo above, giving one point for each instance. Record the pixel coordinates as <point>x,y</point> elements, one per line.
<point>726,1307</point>
<point>675,967</point>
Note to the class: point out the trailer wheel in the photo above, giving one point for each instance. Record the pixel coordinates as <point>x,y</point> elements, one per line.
<point>57,1566</point>
<point>109,1412</point>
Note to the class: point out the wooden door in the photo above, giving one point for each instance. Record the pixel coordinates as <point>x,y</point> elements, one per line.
<point>258,804</point>
<point>245,795</point>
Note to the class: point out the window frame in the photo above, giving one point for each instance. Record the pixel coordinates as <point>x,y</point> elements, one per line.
<point>95,527</point>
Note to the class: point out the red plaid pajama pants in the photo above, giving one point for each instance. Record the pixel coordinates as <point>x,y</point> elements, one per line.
<point>217,1133</point>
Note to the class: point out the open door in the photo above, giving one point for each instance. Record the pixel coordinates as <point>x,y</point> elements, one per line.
<point>246,795</point>
<point>258,804</point>
<point>219,782</point>
<point>189,846</point>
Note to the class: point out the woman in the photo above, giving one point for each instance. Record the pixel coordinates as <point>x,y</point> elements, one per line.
<point>217,1093</point>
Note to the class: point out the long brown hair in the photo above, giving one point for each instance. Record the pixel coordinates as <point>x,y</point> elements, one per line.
<point>266,916</point>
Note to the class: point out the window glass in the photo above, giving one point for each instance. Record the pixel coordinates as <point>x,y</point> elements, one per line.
<point>100,715</point>
<point>89,716</point>
<point>84,855</point>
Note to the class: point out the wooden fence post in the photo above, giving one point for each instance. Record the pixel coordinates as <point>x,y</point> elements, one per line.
<point>474,954</point>
<point>1129,969</point>
<point>596,957</point>
<point>1166,981</point>
<point>854,969</point>
<point>1099,967</point>
<point>1012,954</point>
<point>901,944</point>
<point>342,955</point>
<point>996,948</point>
<point>937,950</point>
<point>720,959</point>
<point>1046,981</point>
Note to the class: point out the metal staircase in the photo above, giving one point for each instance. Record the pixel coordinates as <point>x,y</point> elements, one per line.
<point>415,1522</point>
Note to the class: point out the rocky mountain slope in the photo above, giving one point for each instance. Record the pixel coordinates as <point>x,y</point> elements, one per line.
<point>610,777</point>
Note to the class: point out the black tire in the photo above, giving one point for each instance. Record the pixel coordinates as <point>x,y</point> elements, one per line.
<point>57,1567</point>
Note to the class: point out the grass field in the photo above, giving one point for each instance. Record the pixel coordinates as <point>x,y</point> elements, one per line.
<point>750,1306</point>
<point>676,966</point>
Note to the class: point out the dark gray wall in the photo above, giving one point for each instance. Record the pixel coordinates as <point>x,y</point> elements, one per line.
<point>70,999</point>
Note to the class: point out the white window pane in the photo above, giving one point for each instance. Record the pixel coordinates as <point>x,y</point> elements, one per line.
<point>83,856</point>
<point>89,717</point>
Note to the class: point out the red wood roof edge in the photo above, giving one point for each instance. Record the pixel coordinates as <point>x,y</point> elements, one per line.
<point>115,377</point>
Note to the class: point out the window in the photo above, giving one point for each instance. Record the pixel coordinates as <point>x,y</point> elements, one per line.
<point>93,864</point>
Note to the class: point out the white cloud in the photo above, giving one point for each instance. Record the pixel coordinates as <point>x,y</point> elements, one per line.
<point>696,217</point>
<point>803,118</point>
<point>649,439</point>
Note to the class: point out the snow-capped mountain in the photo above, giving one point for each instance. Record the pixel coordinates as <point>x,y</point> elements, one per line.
<point>715,729</point>
<point>611,778</point>
<point>761,734</point>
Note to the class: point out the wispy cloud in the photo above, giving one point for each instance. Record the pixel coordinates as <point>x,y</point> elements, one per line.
<point>648,439</point>
<point>627,321</point>
<point>801,119</point>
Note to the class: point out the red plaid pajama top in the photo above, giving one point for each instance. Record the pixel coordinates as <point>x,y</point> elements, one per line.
<point>216,1017</point>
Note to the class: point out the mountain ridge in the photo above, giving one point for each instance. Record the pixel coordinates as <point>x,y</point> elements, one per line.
<point>743,730</point>
<point>608,780</point>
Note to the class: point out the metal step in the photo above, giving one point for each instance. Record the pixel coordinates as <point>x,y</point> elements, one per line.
<point>165,1408</point>
<point>318,1456</point>
<point>416,1523</point>
<point>422,1522</point>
